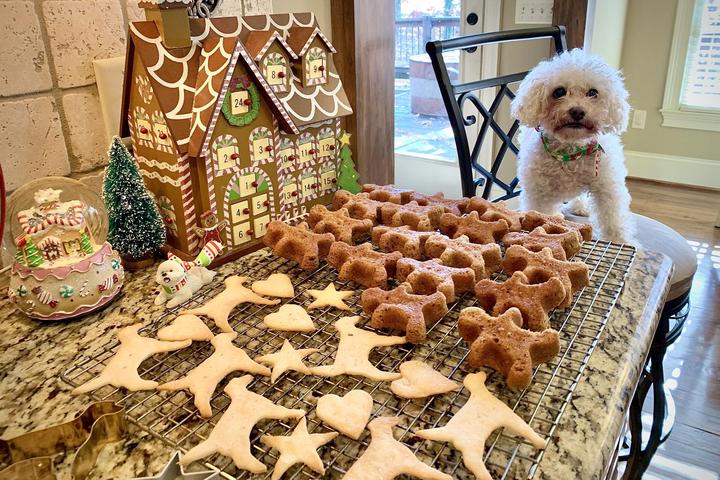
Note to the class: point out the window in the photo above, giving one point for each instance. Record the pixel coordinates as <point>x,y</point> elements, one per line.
<point>692,89</point>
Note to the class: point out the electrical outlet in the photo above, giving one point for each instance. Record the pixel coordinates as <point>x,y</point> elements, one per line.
<point>638,120</point>
<point>533,11</point>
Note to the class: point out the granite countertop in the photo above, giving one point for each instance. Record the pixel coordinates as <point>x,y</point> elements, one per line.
<point>33,355</point>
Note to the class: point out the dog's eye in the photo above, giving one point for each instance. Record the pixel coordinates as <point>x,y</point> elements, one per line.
<point>559,92</point>
<point>592,93</point>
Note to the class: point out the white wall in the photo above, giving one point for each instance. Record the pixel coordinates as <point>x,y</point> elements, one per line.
<point>321,8</point>
<point>605,29</point>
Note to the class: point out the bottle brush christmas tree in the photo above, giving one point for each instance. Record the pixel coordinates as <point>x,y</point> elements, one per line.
<point>136,229</point>
<point>347,175</point>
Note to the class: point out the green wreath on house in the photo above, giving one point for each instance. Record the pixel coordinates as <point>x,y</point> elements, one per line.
<point>243,118</point>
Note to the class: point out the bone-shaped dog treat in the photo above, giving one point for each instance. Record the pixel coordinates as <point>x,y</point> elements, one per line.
<point>359,206</point>
<point>454,206</point>
<point>121,370</point>
<point>533,219</point>
<point>231,435</point>
<point>470,225</point>
<point>539,266</point>
<point>563,242</point>
<point>339,223</point>
<point>501,343</point>
<point>533,301</point>
<point>386,458</point>
<point>235,293</point>
<point>432,276</point>
<point>400,309</point>
<point>388,193</point>
<point>484,258</point>
<point>202,380</point>
<point>403,239</point>
<point>362,264</point>
<point>470,427</point>
<point>422,218</point>
<point>353,349</point>
<point>298,243</point>
<point>491,211</point>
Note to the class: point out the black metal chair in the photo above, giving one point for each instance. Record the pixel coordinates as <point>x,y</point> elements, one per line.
<point>473,176</point>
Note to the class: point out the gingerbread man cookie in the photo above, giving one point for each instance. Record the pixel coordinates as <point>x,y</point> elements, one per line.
<point>231,435</point>
<point>298,243</point>
<point>339,223</point>
<point>399,309</point>
<point>539,266</point>
<point>362,264</point>
<point>386,458</point>
<point>122,369</point>
<point>502,344</point>
<point>388,193</point>
<point>202,380</point>
<point>484,258</point>
<point>456,207</point>
<point>470,427</point>
<point>470,225</point>
<point>491,211</point>
<point>401,239</point>
<point>432,276</point>
<point>353,350</point>
<point>533,301</point>
<point>533,219</point>
<point>563,242</point>
<point>422,218</point>
<point>235,293</point>
<point>359,206</point>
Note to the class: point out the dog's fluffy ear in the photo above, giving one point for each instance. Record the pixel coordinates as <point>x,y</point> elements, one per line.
<point>618,108</point>
<point>530,101</point>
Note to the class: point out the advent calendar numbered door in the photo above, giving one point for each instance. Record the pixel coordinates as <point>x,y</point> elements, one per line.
<point>250,206</point>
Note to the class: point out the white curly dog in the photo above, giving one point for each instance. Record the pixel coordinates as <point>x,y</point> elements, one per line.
<point>573,108</point>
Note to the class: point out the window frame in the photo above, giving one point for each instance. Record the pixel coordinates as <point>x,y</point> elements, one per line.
<point>675,115</point>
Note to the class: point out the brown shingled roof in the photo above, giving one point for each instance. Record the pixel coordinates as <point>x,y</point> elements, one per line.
<point>259,41</point>
<point>300,38</point>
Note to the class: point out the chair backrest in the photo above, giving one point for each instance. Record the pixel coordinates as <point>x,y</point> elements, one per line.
<point>456,95</point>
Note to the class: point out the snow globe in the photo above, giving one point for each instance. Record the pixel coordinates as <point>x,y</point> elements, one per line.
<point>62,267</point>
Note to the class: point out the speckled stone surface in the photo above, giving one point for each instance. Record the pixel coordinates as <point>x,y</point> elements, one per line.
<point>33,355</point>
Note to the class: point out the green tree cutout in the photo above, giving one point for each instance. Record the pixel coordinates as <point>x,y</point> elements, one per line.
<point>347,175</point>
<point>135,225</point>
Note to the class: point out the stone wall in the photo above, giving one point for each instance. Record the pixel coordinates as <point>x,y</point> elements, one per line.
<point>50,117</point>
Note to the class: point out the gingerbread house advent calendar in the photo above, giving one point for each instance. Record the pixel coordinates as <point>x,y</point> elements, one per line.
<point>238,116</point>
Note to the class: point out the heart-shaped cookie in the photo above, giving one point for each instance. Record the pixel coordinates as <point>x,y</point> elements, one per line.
<point>276,285</point>
<point>419,380</point>
<point>290,318</point>
<point>349,414</point>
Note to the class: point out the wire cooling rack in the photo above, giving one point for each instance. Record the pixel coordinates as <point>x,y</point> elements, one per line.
<point>172,417</point>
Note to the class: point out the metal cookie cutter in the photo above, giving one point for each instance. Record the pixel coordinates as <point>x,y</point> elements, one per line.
<point>31,454</point>
<point>173,471</point>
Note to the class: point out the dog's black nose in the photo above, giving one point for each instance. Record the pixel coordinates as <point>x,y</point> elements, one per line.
<point>164,274</point>
<point>577,114</point>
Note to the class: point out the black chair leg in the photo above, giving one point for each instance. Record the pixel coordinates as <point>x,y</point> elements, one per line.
<point>638,458</point>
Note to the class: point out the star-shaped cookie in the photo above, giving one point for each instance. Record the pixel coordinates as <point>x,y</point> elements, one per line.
<point>501,343</point>
<point>287,358</point>
<point>470,427</point>
<point>329,297</point>
<point>299,447</point>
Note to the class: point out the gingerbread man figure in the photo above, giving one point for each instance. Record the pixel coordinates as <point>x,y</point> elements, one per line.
<point>210,229</point>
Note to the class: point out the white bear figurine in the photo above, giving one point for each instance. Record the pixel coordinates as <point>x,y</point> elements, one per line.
<point>178,285</point>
